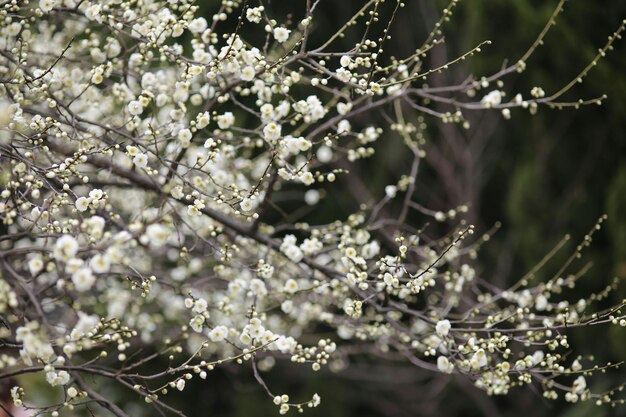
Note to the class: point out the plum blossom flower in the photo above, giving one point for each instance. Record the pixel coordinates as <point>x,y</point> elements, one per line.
<point>100,263</point>
<point>184,137</point>
<point>248,204</point>
<point>272,131</point>
<point>203,120</point>
<point>254,14</point>
<point>57,378</point>
<point>82,204</point>
<point>198,25</point>
<point>83,279</point>
<point>443,328</point>
<point>65,248</point>
<point>492,99</point>
<point>281,34</point>
<point>291,286</point>
<point>248,73</point>
<point>140,160</point>
<point>579,385</point>
<point>135,108</point>
<point>444,365</point>
<point>218,333</point>
<point>35,264</point>
<point>226,120</point>
<point>197,323</point>
<point>47,5</point>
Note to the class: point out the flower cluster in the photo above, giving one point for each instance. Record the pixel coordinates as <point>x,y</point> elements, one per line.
<point>145,155</point>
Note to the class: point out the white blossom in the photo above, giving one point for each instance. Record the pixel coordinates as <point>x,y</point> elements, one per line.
<point>135,108</point>
<point>198,25</point>
<point>272,131</point>
<point>218,333</point>
<point>444,365</point>
<point>254,14</point>
<point>281,34</point>
<point>47,5</point>
<point>55,378</point>
<point>100,263</point>
<point>248,73</point>
<point>492,99</point>
<point>35,264</point>
<point>226,120</point>
<point>312,197</point>
<point>197,323</point>
<point>83,279</point>
<point>82,204</point>
<point>579,385</point>
<point>140,160</point>
<point>291,286</point>
<point>443,327</point>
<point>85,324</point>
<point>203,120</point>
<point>65,248</point>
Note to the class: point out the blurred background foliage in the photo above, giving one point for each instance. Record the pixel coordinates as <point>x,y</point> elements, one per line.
<point>541,176</point>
